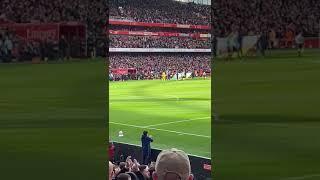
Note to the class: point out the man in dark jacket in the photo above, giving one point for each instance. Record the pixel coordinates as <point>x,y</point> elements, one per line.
<point>146,148</point>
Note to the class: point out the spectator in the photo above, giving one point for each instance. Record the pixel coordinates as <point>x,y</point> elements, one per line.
<point>123,176</point>
<point>172,164</point>
<point>111,171</point>
<point>133,176</point>
<point>143,172</point>
<point>111,150</point>
<point>123,168</point>
<point>146,147</point>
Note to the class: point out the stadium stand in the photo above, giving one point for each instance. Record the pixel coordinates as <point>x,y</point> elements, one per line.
<point>252,27</point>
<point>160,11</point>
<point>256,16</point>
<point>117,41</point>
<point>159,29</point>
<point>154,29</point>
<point>151,66</point>
<point>277,22</point>
<point>42,15</point>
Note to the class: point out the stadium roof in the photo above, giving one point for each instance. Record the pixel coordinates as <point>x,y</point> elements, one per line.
<point>206,2</point>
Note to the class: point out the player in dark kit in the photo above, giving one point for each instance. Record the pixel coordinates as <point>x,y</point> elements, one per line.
<point>146,148</point>
<point>263,43</point>
<point>63,48</point>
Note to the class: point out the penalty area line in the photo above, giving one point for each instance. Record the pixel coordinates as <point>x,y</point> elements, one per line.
<point>173,122</point>
<point>176,97</point>
<point>164,130</point>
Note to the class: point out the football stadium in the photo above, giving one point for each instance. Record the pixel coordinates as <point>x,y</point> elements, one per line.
<point>52,86</point>
<point>232,87</point>
<point>159,84</point>
<point>265,95</point>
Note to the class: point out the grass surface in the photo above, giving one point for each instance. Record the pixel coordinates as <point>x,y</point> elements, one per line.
<point>52,121</point>
<point>176,113</point>
<point>52,118</point>
<point>269,118</point>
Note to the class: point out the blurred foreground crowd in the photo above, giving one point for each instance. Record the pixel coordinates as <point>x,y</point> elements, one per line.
<point>93,14</point>
<point>170,164</point>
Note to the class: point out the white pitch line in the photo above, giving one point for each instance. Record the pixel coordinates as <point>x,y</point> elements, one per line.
<point>145,98</point>
<point>177,98</point>
<point>173,122</point>
<point>165,130</point>
<point>302,177</point>
<point>160,149</point>
<point>253,123</point>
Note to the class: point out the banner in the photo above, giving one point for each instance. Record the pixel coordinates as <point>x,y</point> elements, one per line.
<point>166,34</point>
<point>42,31</point>
<point>36,31</point>
<point>313,42</point>
<point>168,50</point>
<point>119,71</point>
<point>164,25</point>
<point>124,71</point>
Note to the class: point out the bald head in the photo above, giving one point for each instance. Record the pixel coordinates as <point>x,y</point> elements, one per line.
<point>123,176</point>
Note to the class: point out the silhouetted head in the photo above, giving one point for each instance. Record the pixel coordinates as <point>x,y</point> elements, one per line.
<point>145,133</point>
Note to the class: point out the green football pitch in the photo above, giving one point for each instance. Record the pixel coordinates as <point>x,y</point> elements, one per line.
<point>52,118</point>
<point>268,125</point>
<point>53,121</point>
<point>176,113</point>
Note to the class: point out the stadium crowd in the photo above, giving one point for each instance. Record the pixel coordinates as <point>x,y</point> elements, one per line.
<point>57,11</point>
<point>281,17</point>
<point>158,29</point>
<point>172,164</point>
<point>151,66</point>
<point>14,47</point>
<point>160,11</point>
<point>93,14</point>
<point>121,41</point>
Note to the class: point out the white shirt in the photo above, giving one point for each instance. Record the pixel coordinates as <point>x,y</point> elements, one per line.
<point>8,44</point>
<point>299,39</point>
